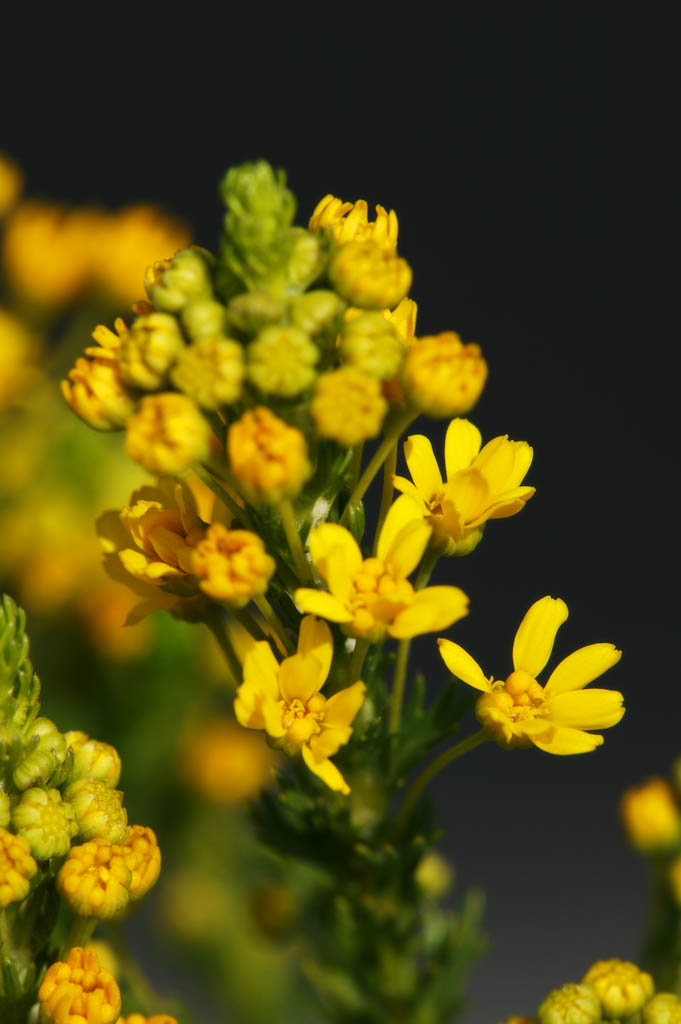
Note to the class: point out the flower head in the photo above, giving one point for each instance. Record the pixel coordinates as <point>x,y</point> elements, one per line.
<point>17,868</point>
<point>442,376</point>
<point>621,986</point>
<point>11,181</point>
<point>95,389</point>
<point>156,1018</point>
<point>481,484</point>
<point>571,1004</point>
<point>349,222</point>
<point>45,821</point>
<point>284,700</point>
<point>371,343</point>
<point>149,349</point>
<point>348,406</point>
<point>79,991</point>
<point>94,879</point>
<point>167,433</point>
<point>663,1008</point>
<point>369,276</point>
<point>281,361</point>
<point>267,457</point>
<point>142,855</point>
<point>98,810</point>
<point>520,712</point>
<point>171,284</point>
<point>651,816</point>
<point>211,371</point>
<point>231,565</point>
<point>370,597</point>
<point>93,759</point>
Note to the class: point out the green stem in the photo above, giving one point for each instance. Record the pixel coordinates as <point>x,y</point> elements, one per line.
<point>218,626</point>
<point>288,521</point>
<point>434,768</point>
<point>430,560</point>
<point>389,467</point>
<point>393,430</point>
<point>355,465</point>
<point>248,623</point>
<point>207,473</point>
<point>5,940</point>
<point>399,682</point>
<point>357,660</point>
<point>271,617</point>
<point>79,934</point>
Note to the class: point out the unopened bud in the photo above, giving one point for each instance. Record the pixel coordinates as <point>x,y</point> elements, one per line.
<point>281,361</point>
<point>204,318</point>
<point>369,276</point>
<point>99,810</point>
<point>317,312</point>
<point>664,1008</point>
<point>250,312</point>
<point>371,344</point>
<point>210,371</point>
<point>571,1004</point>
<point>171,284</point>
<point>621,986</point>
<point>45,822</point>
<point>95,760</point>
<point>42,761</point>
<point>149,349</point>
<point>651,816</point>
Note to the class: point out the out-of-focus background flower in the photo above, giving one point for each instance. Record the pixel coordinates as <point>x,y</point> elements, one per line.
<point>528,154</point>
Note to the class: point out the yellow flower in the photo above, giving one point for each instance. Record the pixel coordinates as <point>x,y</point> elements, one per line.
<point>369,276</point>
<point>281,361</point>
<point>211,371</point>
<point>664,1008</point>
<point>94,879</point>
<point>349,222</point>
<point>284,700</point>
<point>11,182</point>
<point>98,809</point>
<point>442,376</point>
<point>167,433</point>
<point>651,816</point>
<point>17,868</point>
<point>519,712</point>
<point>267,457</point>
<point>348,406</point>
<point>480,485</point>
<point>403,319</point>
<point>95,389</point>
<point>149,349</point>
<point>571,1004</point>
<point>370,597</point>
<point>372,344</point>
<point>224,763</point>
<point>156,1018</point>
<point>93,759</point>
<point>142,855</point>
<point>621,987</point>
<point>46,822</point>
<point>18,357</point>
<point>231,565</point>
<point>79,991</point>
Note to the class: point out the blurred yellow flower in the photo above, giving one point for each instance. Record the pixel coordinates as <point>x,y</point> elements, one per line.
<point>651,816</point>
<point>267,457</point>
<point>349,222</point>
<point>348,406</point>
<point>284,700</point>
<point>519,712</point>
<point>663,1008</point>
<point>443,377</point>
<point>17,868</point>
<point>481,484</point>
<point>11,182</point>
<point>156,1018</point>
<point>621,986</point>
<point>368,276</point>
<point>211,371</point>
<point>167,433</point>
<point>79,991</point>
<point>19,350</point>
<point>95,389</point>
<point>223,763</point>
<point>370,597</point>
<point>94,879</point>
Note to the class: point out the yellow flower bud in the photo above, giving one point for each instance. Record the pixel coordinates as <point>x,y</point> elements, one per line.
<point>348,406</point>
<point>305,260</point>
<point>4,810</point>
<point>94,879</point>
<point>621,986</point>
<point>571,1004</point>
<point>143,856</point>
<point>11,182</point>
<point>156,1018</point>
<point>171,284</point>
<point>250,312</point>
<point>17,868</point>
<point>225,763</point>
<point>651,816</point>
<point>267,457</point>
<point>45,822</point>
<point>281,361</point>
<point>149,349</point>
<point>442,376</point>
<point>79,991</point>
<point>204,318</point>
<point>167,433</point>
<point>211,371</point>
<point>371,344</point>
<point>434,876</point>
<point>99,810</point>
<point>349,222</point>
<point>93,760</point>
<point>315,312</point>
<point>42,760</point>
<point>664,1008</point>
<point>231,565</point>
<point>369,276</point>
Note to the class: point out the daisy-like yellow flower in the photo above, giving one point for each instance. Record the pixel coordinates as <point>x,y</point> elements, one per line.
<point>520,712</point>
<point>284,700</point>
<point>349,222</point>
<point>370,597</point>
<point>481,484</point>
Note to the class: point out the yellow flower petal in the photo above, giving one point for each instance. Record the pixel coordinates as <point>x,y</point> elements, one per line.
<point>327,743</point>
<point>341,709</point>
<point>401,513</point>
<point>580,667</point>
<point>318,602</point>
<point>564,741</point>
<point>496,462</point>
<point>326,771</point>
<point>261,669</point>
<point>256,709</point>
<point>328,536</point>
<point>461,665</point>
<point>462,444</point>
<point>509,504</point>
<point>423,466</point>
<point>408,546</point>
<point>469,492</point>
<point>587,709</point>
<point>400,483</point>
<point>432,609</point>
<point>315,639</point>
<point>536,634</point>
<point>336,574</point>
<point>299,677</point>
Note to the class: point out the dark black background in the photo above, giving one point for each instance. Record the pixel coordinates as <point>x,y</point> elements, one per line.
<point>527,150</point>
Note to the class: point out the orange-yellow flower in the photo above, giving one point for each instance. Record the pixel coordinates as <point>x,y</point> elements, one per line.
<point>520,712</point>
<point>370,597</point>
<point>284,700</point>
<point>79,991</point>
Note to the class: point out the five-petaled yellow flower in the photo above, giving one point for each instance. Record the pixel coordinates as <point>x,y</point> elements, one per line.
<point>519,712</point>
<point>284,700</point>
<point>370,597</point>
<point>481,484</point>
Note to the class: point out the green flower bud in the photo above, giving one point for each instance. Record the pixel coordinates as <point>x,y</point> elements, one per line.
<point>149,349</point>
<point>664,1008</point>
<point>171,284</point>
<point>306,259</point>
<point>622,987</point>
<point>94,760</point>
<point>4,810</point>
<point>281,361</point>
<point>211,371</point>
<point>40,762</point>
<point>317,312</point>
<point>99,811</point>
<point>204,318</point>
<point>45,822</point>
<point>434,876</point>
<point>571,1004</point>
<point>371,343</point>
<point>250,312</point>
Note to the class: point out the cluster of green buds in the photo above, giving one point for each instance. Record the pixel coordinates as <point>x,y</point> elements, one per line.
<point>61,821</point>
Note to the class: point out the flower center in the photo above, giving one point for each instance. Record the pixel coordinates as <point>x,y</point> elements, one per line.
<point>378,596</point>
<point>302,721</point>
